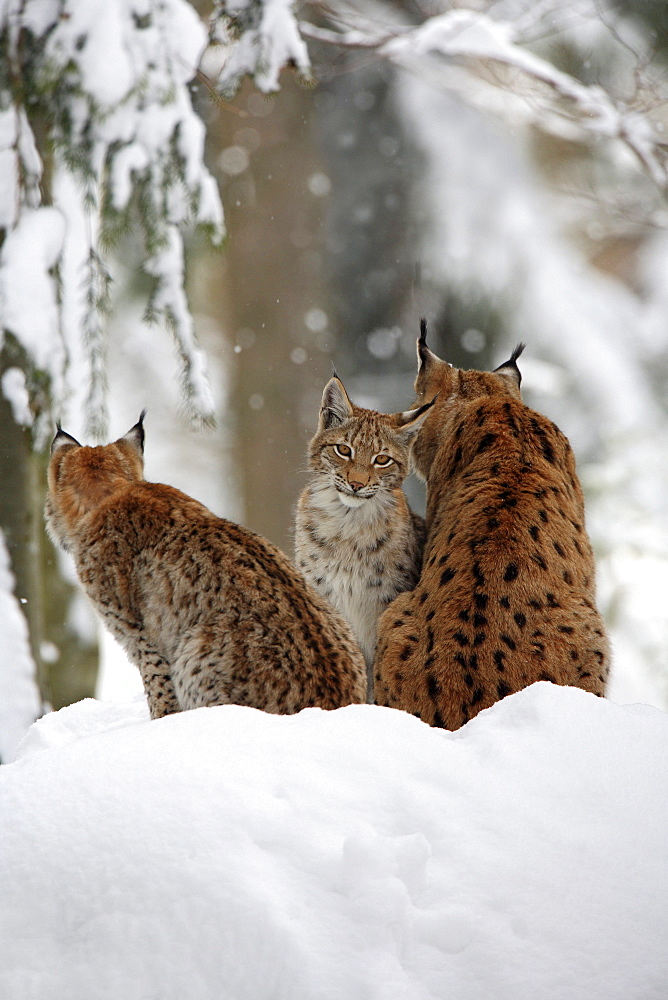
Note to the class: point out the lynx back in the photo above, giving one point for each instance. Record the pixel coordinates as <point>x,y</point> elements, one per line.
<point>507,591</point>
<point>208,611</point>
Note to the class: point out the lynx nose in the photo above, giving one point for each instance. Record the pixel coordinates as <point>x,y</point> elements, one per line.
<point>355,487</point>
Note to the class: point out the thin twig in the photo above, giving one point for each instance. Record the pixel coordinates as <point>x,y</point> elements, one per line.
<point>217,98</point>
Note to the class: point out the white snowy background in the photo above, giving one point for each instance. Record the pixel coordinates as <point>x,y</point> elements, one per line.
<point>358,854</point>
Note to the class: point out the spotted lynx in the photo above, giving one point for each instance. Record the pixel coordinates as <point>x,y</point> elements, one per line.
<point>356,538</point>
<point>209,612</point>
<point>507,594</point>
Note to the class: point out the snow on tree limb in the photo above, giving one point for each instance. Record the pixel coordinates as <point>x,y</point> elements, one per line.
<point>96,282</point>
<point>263,37</point>
<point>20,165</point>
<point>168,300</point>
<point>109,83</point>
<point>462,33</point>
<point>464,41</point>
<point>29,300</point>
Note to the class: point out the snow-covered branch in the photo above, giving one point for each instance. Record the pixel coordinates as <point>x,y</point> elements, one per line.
<point>107,85</point>
<point>261,37</point>
<point>487,61</point>
<point>480,57</point>
<point>477,39</point>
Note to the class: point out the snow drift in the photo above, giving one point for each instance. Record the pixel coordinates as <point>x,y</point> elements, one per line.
<point>357,854</point>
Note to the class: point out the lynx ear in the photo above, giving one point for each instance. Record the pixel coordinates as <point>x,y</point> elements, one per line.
<point>424,355</point>
<point>135,436</point>
<point>63,440</point>
<point>410,421</point>
<point>509,368</point>
<point>426,358</point>
<point>335,406</point>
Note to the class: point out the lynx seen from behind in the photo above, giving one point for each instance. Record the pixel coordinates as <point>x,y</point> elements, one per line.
<point>209,612</point>
<point>507,592</point>
<point>356,538</point>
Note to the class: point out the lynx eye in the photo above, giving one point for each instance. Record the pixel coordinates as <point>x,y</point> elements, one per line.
<point>343,451</point>
<point>383,461</point>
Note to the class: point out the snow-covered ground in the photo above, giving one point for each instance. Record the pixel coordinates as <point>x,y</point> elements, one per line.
<point>225,854</point>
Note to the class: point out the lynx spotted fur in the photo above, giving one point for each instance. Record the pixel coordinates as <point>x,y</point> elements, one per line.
<point>209,612</point>
<point>356,538</point>
<point>507,592</point>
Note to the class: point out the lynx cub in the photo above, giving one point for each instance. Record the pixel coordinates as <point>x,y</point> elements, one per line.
<point>209,612</point>
<point>356,538</point>
<point>506,596</point>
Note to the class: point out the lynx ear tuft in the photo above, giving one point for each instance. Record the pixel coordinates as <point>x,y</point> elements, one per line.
<point>63,440</point>
<point>425,356</point>
<point>135,436</point>
<point>336,406</point>
<point>422,350</point>
<point>509,368</point>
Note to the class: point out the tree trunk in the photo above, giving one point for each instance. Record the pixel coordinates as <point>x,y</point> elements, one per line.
<point>65,661</point>
<point>18,521</point>
<point>269,288</point>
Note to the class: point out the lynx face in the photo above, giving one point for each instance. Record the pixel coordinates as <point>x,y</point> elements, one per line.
<point>361,452</point>
<point>356,539</point>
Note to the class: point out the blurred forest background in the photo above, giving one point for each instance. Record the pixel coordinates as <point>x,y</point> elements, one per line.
<point>499,168</point>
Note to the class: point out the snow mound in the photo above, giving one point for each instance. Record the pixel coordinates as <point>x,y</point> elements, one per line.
<point>226,854</point>
<point>75,722</point>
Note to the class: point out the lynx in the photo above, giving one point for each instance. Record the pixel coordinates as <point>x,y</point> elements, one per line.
<point>507,595</point>
<point>356,538</point>
<point>208,611</point>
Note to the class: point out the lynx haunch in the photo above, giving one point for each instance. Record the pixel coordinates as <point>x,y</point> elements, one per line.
<point>507,591</point>
<point>209,612</point>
